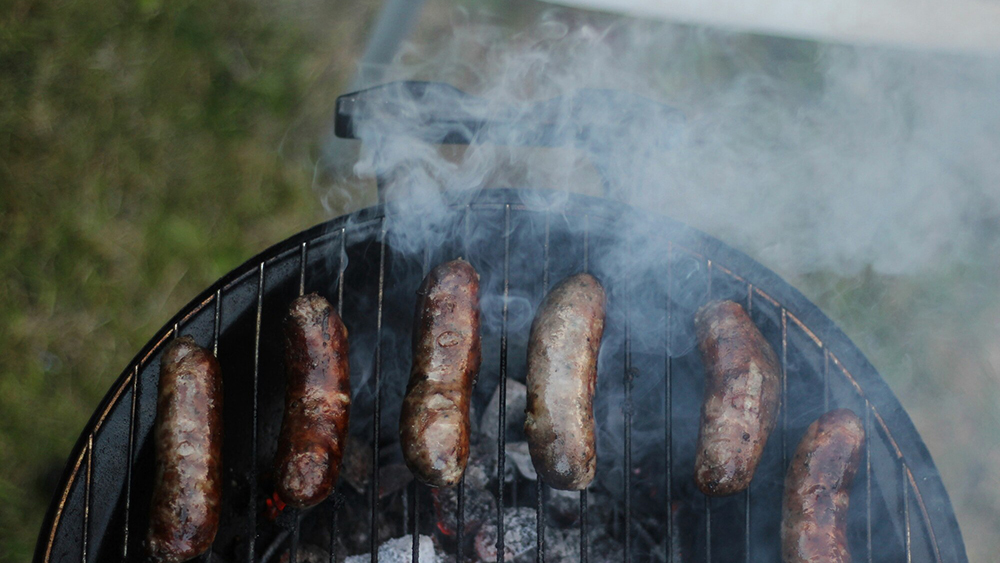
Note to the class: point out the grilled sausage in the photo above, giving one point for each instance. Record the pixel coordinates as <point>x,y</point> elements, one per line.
<point>317,402</point>
<point>184,514</point>
<point>817,490</point>
<point>742,398</point>
<point>562,374</point>
<point>434,422</point>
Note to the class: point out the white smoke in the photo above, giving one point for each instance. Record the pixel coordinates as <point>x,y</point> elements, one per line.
<point>810,157</point>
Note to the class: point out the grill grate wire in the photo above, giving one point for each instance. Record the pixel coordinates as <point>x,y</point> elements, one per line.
<point>908,490</point>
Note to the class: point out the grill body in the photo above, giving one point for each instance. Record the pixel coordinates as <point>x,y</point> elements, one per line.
<point>657,273</point>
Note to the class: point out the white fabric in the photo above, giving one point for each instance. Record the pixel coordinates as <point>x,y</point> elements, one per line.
<point>945,25</point>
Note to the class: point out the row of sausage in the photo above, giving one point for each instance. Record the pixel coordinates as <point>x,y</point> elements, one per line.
<point>739,412</point>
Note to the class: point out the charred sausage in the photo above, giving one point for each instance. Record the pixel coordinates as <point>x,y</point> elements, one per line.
<point>317,402</point>
<point>184,514</point>
<point>434,422</point>
<point>562,375</point>
<point>817,490</point>
<point>742,398</point>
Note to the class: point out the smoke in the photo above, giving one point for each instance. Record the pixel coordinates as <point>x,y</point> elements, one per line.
<point>811,157</point>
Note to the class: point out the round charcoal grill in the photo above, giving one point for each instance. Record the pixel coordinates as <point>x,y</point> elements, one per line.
<point>657,273</point>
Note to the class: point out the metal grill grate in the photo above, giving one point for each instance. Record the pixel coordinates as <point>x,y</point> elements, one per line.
<point>649,390</point>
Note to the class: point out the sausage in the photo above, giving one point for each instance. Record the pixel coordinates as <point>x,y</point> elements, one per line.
<point>317,402</point>
<point>817,490</point>
<point>562,375</point>
<point>742,398</point>
<point>184,513</point>
<point>434,423</point>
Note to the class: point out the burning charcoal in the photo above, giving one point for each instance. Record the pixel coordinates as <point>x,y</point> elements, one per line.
<point>356,467</point>
<point>519,459</point>
<point>400,550</point>
<point>480,506</point>
<point>520,536</point>
<point>517,400</point>
<point>393,478</point>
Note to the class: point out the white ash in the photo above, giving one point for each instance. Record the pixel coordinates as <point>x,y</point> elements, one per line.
<point>516,400</point>
<point>400,550</point>
<point>520,536</point>
<point>519,459</point>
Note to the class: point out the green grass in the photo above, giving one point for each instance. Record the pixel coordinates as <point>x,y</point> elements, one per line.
<point>145,149</point>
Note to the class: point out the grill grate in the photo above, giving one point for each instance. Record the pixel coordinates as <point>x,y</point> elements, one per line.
<point>100,511</point>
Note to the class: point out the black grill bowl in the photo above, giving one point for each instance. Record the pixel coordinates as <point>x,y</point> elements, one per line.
<point>657,273</point>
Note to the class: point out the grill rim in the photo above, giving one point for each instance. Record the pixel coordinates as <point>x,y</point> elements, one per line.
<point>922,478</point>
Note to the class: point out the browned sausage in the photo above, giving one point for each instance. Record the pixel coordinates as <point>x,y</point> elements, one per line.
<point>434,422</point>
<point>817,490</point>
<point>742,398</point>
<point>184,514</point>
<point>317,402</point>
<point>562,374</point>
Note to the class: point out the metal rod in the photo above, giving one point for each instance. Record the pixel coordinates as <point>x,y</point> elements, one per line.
<point>252,532</point>
<point>217,323</point>
<point>584,547</point>
<point>708,499</point>
<point>343,268</point>
<point>216,328</point>
<point>302,269</point>
<point>460,522</point>
<point>906,511</point>
<point>826,379</point>
<point>128,462</point>
<point>584,528</point>
<point>460,533</point>
<point>784,388</point>
<point>377,381</point>
<point>868,477</point>
<point>628,424</point>
<point>668,412</point>
<point>86,498</point>
<point>293,547</point>
<point>708,528</point>
<point>539,484</point>
<point>501,446</point>
<point>415,516</point>
<point>747,526</point>
<point>540,520</point>
<point>333,528</point>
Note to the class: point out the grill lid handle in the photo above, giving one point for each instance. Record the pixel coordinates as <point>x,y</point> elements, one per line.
<point>438,113</point>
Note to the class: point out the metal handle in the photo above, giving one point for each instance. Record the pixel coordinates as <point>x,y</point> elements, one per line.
<point>595,120</point>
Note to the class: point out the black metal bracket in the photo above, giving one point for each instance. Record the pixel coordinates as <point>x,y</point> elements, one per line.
<point>595,120</point>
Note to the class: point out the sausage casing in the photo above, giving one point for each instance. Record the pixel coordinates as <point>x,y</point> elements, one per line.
<point>317,402</point>
<point>184,514</point>
<point>434,423</point>
<point>742,398</point>
<point>817,490</point>
<point>562,376</point>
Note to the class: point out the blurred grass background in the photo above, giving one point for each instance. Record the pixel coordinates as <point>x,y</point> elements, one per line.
<point>147,148</point>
